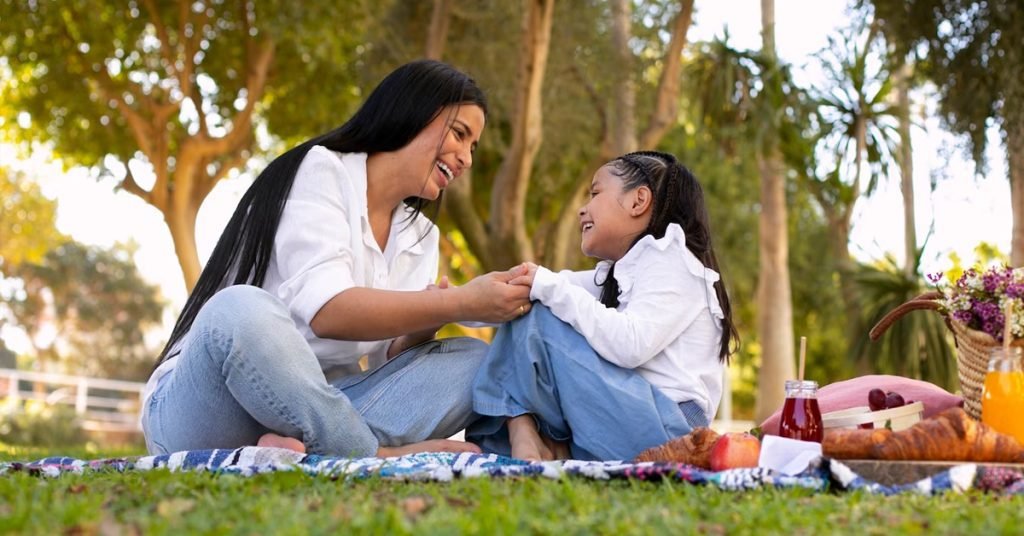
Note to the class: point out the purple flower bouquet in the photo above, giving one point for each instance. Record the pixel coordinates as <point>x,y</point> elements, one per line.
<point>978,299</point>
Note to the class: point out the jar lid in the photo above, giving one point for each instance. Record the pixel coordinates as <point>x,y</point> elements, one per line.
<point>798,384</point>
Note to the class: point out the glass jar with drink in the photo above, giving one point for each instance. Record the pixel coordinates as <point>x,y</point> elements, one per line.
<point>1002,396</point>
<point>801,417</point>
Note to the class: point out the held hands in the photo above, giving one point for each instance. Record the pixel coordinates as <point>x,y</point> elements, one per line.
<point>528,271</point>
<point>494,297</point>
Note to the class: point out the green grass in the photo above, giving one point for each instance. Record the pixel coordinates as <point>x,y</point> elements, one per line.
<point>160,502</point>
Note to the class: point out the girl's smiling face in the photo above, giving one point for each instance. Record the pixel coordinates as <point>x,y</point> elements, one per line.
<point>613,219</point>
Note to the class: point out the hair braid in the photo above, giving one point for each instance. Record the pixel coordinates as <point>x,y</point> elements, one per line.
<point>677,197</point>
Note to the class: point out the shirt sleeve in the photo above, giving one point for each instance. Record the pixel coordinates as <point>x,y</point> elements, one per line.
<point>661,306</point>
<point>313,241</point>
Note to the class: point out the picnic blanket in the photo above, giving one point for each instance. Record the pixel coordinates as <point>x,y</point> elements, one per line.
<point>823,474</point>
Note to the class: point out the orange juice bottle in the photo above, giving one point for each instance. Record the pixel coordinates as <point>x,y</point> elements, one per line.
<point>1002,397</point>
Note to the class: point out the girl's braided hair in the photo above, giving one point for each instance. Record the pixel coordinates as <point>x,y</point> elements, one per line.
<point>678,198</point>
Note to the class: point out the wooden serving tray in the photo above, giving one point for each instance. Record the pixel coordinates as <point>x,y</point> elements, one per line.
<point>892,473</point>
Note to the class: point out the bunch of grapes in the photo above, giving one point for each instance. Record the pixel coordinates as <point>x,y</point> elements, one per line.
<point>879,400</point>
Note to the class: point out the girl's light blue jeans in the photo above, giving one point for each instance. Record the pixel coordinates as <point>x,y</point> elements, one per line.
<point>539,365</point>
<point>245,370</point>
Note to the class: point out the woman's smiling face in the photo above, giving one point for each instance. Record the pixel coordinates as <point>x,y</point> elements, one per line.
<point>444,148</point>
<point>611,221</point>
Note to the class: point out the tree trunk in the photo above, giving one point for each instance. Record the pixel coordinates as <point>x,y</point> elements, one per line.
<point>149,119</point>
<point>618,140</point>
<point>774,299</point>
<point>181,221</point>
<point>509,241</point>
<point>622,125</point>
<point>564,242</point>
<point>1015,163</point>
<point>437,34</point>
<point>839,232</point>
<point>906,160</point>
<point>775,308</point>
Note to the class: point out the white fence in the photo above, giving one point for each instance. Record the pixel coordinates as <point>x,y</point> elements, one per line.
<point>103,405</point>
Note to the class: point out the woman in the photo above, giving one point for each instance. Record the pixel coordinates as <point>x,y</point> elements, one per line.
<point>328,259</point>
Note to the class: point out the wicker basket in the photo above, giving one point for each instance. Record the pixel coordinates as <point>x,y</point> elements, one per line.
<point>972,349</point>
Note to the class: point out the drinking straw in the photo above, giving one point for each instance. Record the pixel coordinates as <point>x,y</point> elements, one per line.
<point>1007,315</point>
<point>803,356</point>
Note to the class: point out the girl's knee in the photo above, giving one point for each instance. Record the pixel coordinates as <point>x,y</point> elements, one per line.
<point>540,313</point>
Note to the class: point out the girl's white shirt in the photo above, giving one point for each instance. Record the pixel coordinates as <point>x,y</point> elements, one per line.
<point>668,325</point>
<point>325,245</point>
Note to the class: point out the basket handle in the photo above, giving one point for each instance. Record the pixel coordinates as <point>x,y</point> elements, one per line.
<point>928,300</point>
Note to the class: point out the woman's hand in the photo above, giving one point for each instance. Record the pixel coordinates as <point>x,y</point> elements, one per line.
<point>491,297</point>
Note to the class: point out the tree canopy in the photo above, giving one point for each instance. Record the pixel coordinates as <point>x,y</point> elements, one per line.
<point>174,87</point>
<point>28,221</point>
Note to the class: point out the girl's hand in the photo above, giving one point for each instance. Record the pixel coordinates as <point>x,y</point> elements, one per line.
<point>528,271</point>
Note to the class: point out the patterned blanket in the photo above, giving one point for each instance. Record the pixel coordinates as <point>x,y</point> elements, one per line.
<point>822,474</point>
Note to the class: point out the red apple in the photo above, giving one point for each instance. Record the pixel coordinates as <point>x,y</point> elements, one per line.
<point>735,449</point>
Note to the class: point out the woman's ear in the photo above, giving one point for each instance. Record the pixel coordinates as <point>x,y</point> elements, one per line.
<point>642,198</point>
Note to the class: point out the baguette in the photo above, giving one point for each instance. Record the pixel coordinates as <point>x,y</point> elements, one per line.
<point>949,436</point>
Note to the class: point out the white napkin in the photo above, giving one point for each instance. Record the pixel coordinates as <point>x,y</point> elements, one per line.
<point>787,456</point>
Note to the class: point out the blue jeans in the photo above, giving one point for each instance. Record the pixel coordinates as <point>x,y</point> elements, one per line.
<point>539,365</point>
<point>244,370</point>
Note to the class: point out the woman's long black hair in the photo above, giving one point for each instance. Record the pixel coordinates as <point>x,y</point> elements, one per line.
<point>398,109</point>
<point>678,198</point>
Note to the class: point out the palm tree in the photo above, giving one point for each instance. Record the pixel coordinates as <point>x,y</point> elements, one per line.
<point>748,97</point>
<point>857,144</point>
<point>774,296</point>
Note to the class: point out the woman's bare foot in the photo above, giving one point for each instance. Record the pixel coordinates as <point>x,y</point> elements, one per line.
<point>559,449</point>
<point>526,441</point>
<point>281,442</point>
<point>432,445</point>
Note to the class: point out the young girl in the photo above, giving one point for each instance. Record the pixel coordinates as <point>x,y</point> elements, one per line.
<point>624,357</point>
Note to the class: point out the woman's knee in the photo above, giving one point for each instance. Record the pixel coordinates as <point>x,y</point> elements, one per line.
<point>464,352</point>
<point>242,306</point>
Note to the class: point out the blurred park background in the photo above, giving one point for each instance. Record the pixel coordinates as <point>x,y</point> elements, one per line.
<point>846,150</point>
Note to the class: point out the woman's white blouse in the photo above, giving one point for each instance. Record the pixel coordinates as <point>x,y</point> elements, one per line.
<point>668,325</point>
<point>324,245</point>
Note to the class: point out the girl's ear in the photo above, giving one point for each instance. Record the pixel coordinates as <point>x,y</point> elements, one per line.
<point>642,198</point>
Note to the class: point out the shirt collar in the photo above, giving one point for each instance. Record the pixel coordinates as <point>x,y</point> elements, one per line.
<point>405,233</point>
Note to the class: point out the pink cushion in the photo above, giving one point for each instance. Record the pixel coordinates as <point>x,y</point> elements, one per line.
<point>852,393</point>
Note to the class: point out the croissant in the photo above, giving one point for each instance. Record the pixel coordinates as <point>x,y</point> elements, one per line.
<point>949,436</point>
<point>693,448</point>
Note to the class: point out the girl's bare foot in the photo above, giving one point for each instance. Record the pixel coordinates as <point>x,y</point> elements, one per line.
<point>281,442</point>
<point>526,441</point>
<point>559,449</point>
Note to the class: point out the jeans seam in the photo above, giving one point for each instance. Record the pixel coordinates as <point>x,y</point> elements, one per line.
<point>252,376</point>
<point>389,381</point>
<point>150,421</point>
